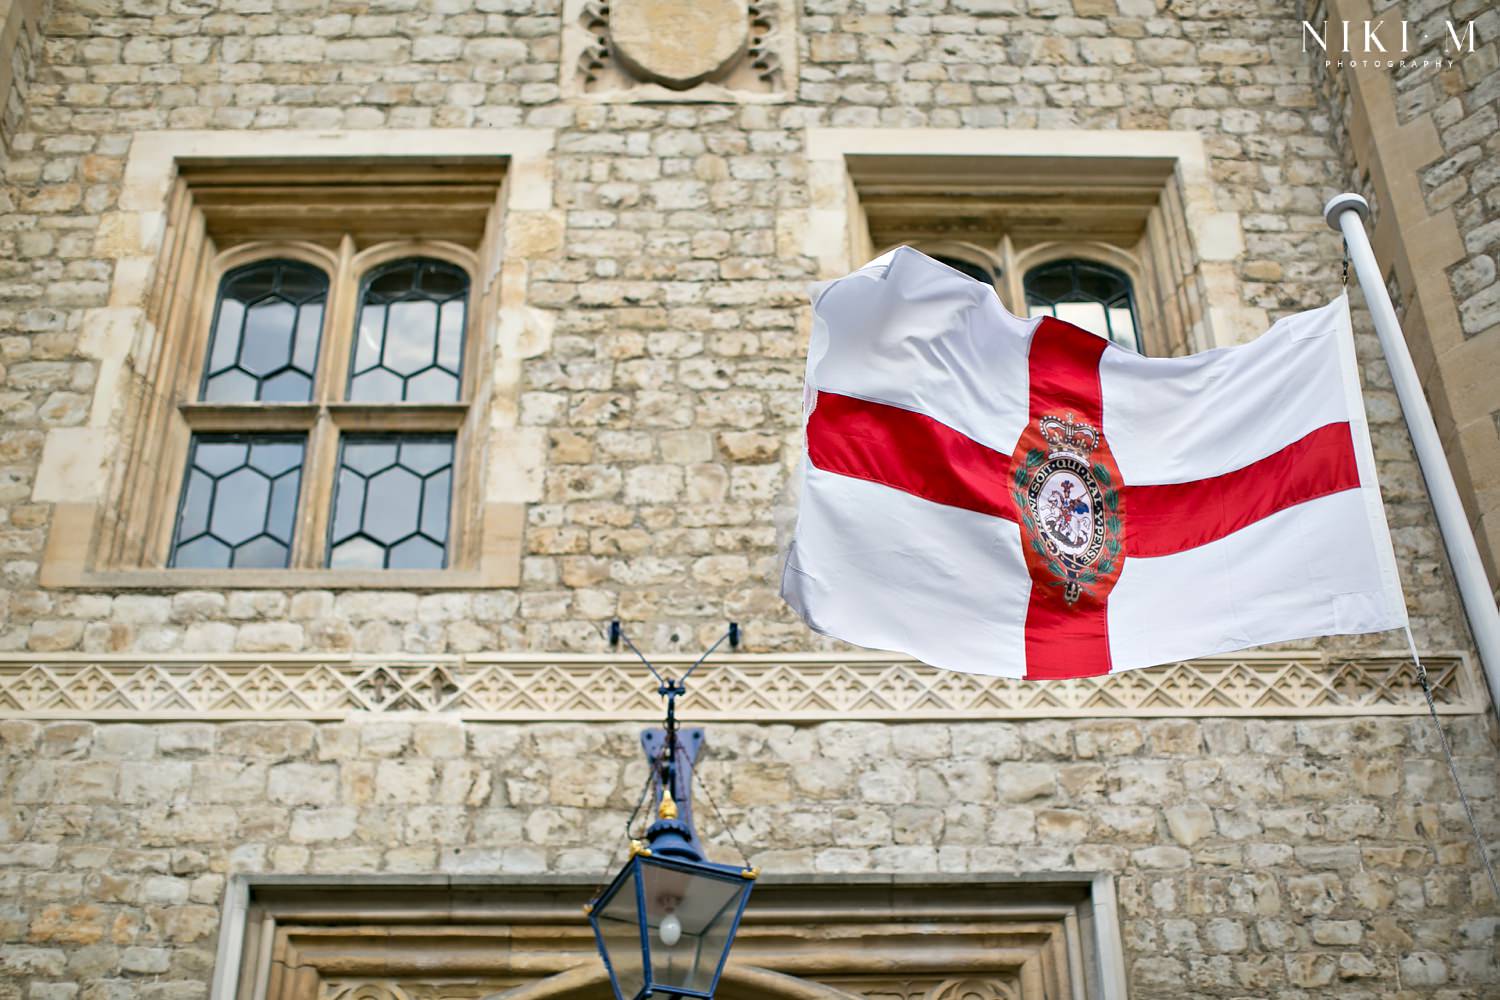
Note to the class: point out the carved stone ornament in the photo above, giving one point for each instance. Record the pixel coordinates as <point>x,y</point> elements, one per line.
<point>365,991</point>
<point>752,687</point>
<point>972,989</point>
<point>679,50</point>
<point>679,43</point>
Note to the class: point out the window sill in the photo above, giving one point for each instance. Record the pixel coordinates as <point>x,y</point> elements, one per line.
<point>236,417</point>
<point>65,565</point>
<point>283,579</point>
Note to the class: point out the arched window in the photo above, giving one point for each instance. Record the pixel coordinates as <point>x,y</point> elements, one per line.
<point>1090,295</point>
<point>285,438</point>
<point>410,339</point>
<point>267,325</point>
<point>238,504</point>
<point>976,271</point>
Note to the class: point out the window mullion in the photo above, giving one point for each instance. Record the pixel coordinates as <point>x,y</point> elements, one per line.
<point>323,440</point>
<point>1010,276</point>
<point>317,493</point>
<point>338,333</point>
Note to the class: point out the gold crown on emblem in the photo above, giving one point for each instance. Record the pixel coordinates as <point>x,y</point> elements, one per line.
<point>1068,437</point>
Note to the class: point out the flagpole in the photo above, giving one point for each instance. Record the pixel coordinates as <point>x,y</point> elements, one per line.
<point>1347,214</point>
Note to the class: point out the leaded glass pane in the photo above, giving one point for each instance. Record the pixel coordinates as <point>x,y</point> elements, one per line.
<point>267,325</point>
<point>239,502</point>
<point>1095,297</point>
<point>408,343</point>
<point>391,503</point>
<point>969,268</point>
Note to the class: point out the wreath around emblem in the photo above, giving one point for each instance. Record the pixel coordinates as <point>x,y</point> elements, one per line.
<point>1075,577</point>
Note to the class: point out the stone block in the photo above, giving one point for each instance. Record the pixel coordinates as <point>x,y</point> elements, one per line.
<point>966,781</point>
<point>143,782</point>
<point>228,781</point>
<point>165,891</point>
<point>303,784</point>
<point>1161,857</point>
<point>1108,738</point>
<point>144,960</point>
<point>1337,932</point>
<point>79,924</point>
<point>185,738</point>
<point>404,782</point>
<point>67,739</point>
<point>1065,826</point>
<point>1024,782</point>
<point>280,740</point>
<point>310,826</point>
<point>24,960</point>
<point>53,991</point>
<point>19,737</point>
<point>1012,825</point>
<point>438,739</point>
<point>1189,822</point>
<point>1314,894</point>
<point>141,609</point>
<point>270,637</point>
<point>87,781</point>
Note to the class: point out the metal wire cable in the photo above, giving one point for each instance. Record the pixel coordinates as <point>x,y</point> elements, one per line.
<point>646,788</point>
<point>727,633</point>
<point>1484,854</point>
<point>638,654</point>
<point>714,805</point>
<point>723,823</point>
<point>614,861</point>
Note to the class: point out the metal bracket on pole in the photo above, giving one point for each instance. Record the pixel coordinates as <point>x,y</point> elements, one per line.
<point>1346,213</point>
<point>689,743</point>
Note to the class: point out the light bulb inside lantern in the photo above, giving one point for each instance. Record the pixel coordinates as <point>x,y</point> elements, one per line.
<point>670,930</point>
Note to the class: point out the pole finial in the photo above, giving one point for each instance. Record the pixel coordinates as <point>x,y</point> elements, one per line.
<point>668,808</point>
<point>1341,203</point>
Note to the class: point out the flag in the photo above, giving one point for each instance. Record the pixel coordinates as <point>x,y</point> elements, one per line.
<point>1020,497</point>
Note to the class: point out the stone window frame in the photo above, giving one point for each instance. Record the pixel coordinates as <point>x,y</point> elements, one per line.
<point>1183,266</point>
<point>301,937</point>
<point>113,513</point>
<point>328,417</point>
<point>1012,266</point>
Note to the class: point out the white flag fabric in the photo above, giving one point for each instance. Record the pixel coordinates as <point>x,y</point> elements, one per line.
<point>1020,497</point>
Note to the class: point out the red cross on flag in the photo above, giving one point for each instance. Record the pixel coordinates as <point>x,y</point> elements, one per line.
<point>1023,498</point>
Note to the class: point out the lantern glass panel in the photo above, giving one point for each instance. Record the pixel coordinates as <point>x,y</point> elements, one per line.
<point>620,935</point>
<point>705,908</point>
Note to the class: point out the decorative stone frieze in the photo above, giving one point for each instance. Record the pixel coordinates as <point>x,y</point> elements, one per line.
<point>790,687</point>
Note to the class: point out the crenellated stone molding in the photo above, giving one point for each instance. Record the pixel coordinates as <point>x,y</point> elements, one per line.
<point>789,687</point>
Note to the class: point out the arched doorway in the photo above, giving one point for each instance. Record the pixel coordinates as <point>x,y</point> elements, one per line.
<point>854,938</point>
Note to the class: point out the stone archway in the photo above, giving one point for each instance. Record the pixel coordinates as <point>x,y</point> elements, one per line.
<point>818,939</point>
<point>739,982</point>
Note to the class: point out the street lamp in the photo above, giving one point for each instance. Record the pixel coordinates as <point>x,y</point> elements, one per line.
<point>666,922</point>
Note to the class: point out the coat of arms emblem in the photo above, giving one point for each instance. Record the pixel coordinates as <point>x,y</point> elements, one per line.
<point>679,43</point>
<point>1070,509</point>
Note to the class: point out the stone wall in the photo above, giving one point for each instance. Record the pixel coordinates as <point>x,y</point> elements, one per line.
<point>670,396</point>
<point>1255,857</point>
<point>1464,101</point>
<point>20,38</point>
<point>1421,135</point>
<point>1260,857</point>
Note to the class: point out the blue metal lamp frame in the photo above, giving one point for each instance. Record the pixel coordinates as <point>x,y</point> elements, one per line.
<point>671,842</point>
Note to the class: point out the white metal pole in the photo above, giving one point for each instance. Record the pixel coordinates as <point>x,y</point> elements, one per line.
<point>1347,214</point>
